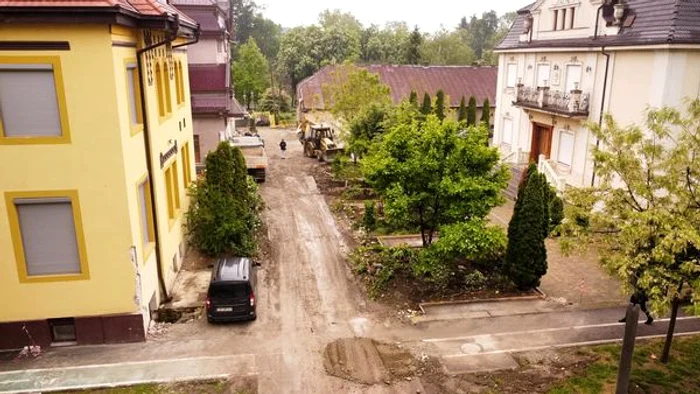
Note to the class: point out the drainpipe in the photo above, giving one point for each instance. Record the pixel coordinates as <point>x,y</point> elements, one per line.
<point>602,104</point>
<point>172,35</point>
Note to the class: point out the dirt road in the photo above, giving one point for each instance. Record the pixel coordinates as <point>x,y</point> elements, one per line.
<point>317,299</point>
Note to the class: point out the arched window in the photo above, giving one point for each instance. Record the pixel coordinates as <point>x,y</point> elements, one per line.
<point>160,90</point>
<point>178,80</point>
<point>168,96</point>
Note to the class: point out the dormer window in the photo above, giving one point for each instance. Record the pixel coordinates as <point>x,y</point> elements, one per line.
<point>563,18</point>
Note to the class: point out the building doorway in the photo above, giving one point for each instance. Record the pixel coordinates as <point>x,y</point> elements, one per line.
<point>541,141</point>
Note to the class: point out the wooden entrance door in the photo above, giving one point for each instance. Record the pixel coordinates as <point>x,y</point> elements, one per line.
<point>541,141</point>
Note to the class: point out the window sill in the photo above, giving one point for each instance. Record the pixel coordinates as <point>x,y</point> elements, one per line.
<point>148,251</point>
<point>34,140</point>
<point>135,129</point>
<point>54,278</point>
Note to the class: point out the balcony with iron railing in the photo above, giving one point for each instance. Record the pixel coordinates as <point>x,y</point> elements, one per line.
<point>571,104</point>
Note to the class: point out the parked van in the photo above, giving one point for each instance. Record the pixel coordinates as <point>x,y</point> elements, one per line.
<point>231,294</point>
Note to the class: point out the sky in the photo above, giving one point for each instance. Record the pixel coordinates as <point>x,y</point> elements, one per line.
<point>429,16</point>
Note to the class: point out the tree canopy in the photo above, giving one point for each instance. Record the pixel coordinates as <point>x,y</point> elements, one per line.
<point>645,209</point>
<point>251,73</point>
<point>432,175</point>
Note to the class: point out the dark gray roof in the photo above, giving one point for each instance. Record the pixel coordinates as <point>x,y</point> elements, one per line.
<point>647,22</point>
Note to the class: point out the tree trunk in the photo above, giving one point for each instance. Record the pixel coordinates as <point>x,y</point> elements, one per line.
<point>671,327</point>
<point>625,367</point>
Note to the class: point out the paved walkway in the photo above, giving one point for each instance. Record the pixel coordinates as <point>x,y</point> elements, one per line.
<point>577,279</point>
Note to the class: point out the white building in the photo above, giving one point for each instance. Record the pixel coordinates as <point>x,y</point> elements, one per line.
<point>565,62</point>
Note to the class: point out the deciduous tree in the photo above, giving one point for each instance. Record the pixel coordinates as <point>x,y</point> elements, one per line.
<point>251,73</point>
<point>645,211</point>
<point>431,175</point>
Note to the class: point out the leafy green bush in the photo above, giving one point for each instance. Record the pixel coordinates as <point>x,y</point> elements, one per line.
<point>275,100</point>
<point>475,280</point>
<point>224,213</point>
<point>556,213</point>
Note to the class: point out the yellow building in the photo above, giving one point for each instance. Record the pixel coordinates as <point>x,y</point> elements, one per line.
<point>96,155</point>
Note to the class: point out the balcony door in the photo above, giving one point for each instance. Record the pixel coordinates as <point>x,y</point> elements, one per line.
<point>541,141</point>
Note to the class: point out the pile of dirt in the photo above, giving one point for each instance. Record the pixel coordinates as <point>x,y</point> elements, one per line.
<point>367,361</point>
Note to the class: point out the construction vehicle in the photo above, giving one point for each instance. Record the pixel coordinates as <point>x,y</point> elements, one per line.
<point>253,149</point>
<point>319,140</point>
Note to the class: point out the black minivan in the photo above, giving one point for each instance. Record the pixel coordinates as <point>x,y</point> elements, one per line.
<point>231,294</point>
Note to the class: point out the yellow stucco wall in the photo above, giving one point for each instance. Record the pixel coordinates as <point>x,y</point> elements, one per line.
<point>104,162</point>
<point>90,164</point>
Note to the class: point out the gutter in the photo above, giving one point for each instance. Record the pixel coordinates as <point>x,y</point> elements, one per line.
<point>605,86</point>
<point>171,36</point>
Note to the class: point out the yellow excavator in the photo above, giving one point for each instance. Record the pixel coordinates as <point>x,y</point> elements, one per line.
<point>319,140</point>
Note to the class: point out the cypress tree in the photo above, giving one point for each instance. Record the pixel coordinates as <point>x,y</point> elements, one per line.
<point>486,113</point>
<point>440,104</point>
<point>413,98</point>
<point>462,111</point>
<point>471,112</point>
<point>427,106</point>
<point>526,255</point>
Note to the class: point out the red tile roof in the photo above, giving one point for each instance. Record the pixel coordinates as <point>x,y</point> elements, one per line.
<point>141,7</point>
<point>455,81</point>
<point>208,77</point>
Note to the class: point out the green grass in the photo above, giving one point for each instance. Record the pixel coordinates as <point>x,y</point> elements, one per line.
<point>649,375</point>
<point>197,387</point>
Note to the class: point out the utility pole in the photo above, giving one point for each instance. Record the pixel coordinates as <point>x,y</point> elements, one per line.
<point>623,373</point>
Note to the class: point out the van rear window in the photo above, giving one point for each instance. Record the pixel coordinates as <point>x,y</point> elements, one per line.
<point>229,291</point>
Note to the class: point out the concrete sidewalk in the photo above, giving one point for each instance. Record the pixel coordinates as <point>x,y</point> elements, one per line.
<point>126,373</point>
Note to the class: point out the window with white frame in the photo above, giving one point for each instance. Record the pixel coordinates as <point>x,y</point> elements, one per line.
<point>573,77</point>
<point>566,148</point>
<point>28,101</point>
<point>543,75</point>
<point>511,75</point>
<point>507,131</point>
<point>48,236</point>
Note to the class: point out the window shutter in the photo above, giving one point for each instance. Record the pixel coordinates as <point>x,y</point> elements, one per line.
<point>566,148</point>
<point>131,89</point>
<point>573,77</point>
<point>543,75</point>
<point>507,130</point>
<point>28,103</point>
<point>512,75</point>
<point>48,236</point>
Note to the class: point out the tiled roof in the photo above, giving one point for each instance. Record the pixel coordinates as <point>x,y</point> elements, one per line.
<point>207,18</point>
<point>217,103</point>
<point>140,7</point>
<point>455,81</point>
<point>208,77</point>
<point>654,22</point>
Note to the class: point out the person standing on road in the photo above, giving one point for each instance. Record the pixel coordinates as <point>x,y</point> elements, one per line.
<point>283,148</point>
<point>640,298</point>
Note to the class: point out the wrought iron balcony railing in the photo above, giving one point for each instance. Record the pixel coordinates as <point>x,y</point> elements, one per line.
<point>572,103</point>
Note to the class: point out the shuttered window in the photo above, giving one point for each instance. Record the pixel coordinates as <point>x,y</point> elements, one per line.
<point>573,77</point>
<point>133,93</point>
<point>145,213</point>
<point>28,101</point>
<point>507,131</point>
<point>48,236</point>
<point>511,75</point>
<point>566,148</point>
<point>543,75</point>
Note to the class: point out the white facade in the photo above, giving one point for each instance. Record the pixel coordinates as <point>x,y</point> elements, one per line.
<point>554,134</point>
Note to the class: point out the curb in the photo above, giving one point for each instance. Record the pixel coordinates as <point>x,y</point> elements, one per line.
<point>501,299</point>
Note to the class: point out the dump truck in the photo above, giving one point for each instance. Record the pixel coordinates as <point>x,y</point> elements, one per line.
<point>319,140</point>
<point>253,148</point>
